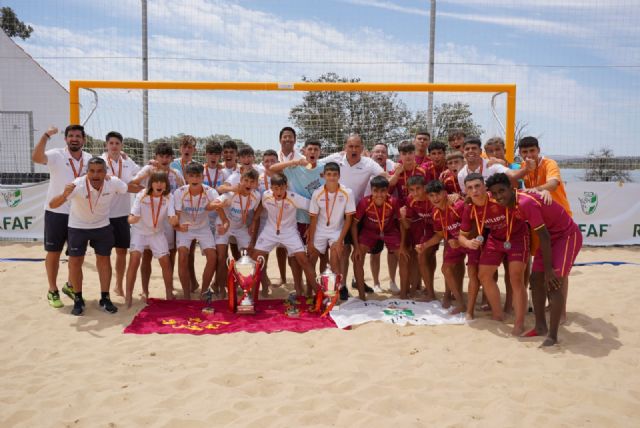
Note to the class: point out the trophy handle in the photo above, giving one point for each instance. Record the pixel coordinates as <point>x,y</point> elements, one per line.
<point>229,261</point>
<point>260,260</point>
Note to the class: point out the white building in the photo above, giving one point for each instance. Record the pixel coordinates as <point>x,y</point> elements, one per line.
<point>30,101</point>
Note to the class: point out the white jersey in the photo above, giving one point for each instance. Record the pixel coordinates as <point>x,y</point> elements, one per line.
<point>63,169</point>
<point>192,207</point>
<point>283,210</point>
<point>90,207</point>
<point>125,170</point>
<point>240,208</point>
<point>331,207</point>
<point>214,177</point>
<point>175,179</point>
<point>486,171</point>
<point>142,208</point>
<point>355,177</point>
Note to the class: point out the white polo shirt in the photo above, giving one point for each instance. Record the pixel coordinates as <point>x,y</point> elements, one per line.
<point>339,203</point>
<point>125,170</point>
<point>355,177</point>
<point>59,164</point>
<point>90,207</point>
<point>142,208</point>
<point>192,207</point>
<point>240,206</point>
<point>289,205</point>
<point>486,171</point>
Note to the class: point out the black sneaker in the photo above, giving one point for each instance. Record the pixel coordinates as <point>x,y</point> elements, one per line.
<point>108,306</point>
<point>344,293</point>
<point>367,289</point>
<point>78,307</point>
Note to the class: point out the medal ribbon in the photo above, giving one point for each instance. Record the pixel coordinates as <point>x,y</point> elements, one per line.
<point>326,204</point>
<point>384,215</point>
<point>194,214</point>
<point>155,216</point>
<point>76,174</point>
<point>86,182</point>
<point>510,221</point>
<point>244,211</point>
<point>480,226</point>
<point>113,171</point>
<point>280,212</point>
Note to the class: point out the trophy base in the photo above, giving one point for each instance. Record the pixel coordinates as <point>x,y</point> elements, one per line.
<point>246,310</point>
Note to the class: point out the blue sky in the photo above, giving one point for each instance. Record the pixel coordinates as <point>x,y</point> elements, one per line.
<point>576,62</point>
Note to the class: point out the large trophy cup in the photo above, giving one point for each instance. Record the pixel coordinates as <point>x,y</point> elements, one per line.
<point>244,274</point>
<point>329,285</point>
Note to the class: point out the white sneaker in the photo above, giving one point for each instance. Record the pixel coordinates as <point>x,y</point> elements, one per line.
<point>377,288</point>
<point>394,288</point>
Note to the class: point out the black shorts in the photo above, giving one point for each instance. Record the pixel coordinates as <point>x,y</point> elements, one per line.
<point>101,240</point>
<point>121,231</point>
<point>377,249</point>
<point>55,231</point>
<point>347,238</point>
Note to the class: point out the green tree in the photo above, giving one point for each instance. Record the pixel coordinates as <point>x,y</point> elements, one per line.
<point>331,116</point>
<point>12,26</point>
<point>602,165</point>
<point>449,117</point>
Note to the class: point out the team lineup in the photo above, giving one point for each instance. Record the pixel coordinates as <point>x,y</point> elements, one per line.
<point>317,213</point>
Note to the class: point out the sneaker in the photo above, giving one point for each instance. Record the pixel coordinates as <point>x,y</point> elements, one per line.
<point>54,299</point>
<point>108,306</point>
<point>78,307</point>
<point>394,288</point>
<point>344,293</point>
<point>377,288</point>
<point>367,289</point>
<point>68,290</point>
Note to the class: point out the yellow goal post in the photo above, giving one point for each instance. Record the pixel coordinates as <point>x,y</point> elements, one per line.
<point>495,88</point>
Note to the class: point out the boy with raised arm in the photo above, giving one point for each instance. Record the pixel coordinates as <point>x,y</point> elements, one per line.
<point>331,209</point>
<point>192,202</point>
<point>90,199</point>
<point>560,243</point>
<point>380,217</point>
<point>281,228</point>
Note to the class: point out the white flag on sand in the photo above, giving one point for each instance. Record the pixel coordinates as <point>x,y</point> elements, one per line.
<point>393,311</point>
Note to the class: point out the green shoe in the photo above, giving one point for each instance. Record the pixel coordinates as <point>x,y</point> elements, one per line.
<point>68,290</point>
<point>54,299</point>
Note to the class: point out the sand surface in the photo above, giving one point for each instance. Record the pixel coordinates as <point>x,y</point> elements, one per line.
<point>60,370</point>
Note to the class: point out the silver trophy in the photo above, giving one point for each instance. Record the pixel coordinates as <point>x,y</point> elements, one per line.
<point>245,275</point>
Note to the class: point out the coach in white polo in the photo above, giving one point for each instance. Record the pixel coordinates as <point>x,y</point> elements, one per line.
<point>472,152</point>
<point>64,165</point>
<point>90,200</point>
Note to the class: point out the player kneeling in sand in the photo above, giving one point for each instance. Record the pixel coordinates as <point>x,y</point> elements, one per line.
<point>560,242</point>
<point>282,228</point>
<point>151,208</point>
<point>380,215</point>
<point>90,198</point>
<point>192,203</point>
<point>331,209</point>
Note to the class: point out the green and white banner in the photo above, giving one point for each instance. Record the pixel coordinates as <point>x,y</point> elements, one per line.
<point>607,213</point>
<point>22,211</point>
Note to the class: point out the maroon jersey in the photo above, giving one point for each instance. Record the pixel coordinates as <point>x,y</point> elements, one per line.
<point>421,223</point>
<point>556,219</point>
<point>433,171</point>
<point>381,220</point>
<point>450,181</point>
<point>403,178</point>
<point>502,222</point>
<point>448,221</point>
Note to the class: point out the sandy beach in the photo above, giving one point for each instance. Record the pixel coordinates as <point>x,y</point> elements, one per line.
<point>60,370</point>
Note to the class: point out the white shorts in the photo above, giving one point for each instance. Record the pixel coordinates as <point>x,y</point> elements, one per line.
<point>324,239</point>
<point>241,236</point>
<point>268,240</point>
<point>170,235</point>
<point>203,235</point>
<point>157,242</point>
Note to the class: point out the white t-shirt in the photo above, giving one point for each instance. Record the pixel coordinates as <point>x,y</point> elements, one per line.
<point>125,170</point>
<point>486,171</point>
<point>59,163</point>
<point>142,208</point>
<point>240,209</point>
<point>288,205</point>
<point>355,177</point>
<point>339,203</point>
<point>175,179</point>
<point>214,177</point>
<point>90,207</point>
<point>192,207</point>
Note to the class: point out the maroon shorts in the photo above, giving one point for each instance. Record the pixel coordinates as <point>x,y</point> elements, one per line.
<point>493,252</point>
<point>564,252</point>
<point>370,239</point>
<point>302,230</point>
<point>453,256</point>
<point>418,234</point>
<point>473,257</point>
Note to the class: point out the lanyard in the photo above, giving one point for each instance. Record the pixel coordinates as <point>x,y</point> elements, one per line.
<point>510,220</point>
<point>384,215</point>
<point>444,222</point>
<point>86,182</point>
<point>280,212</point>
<point>244,210</point>
<point>534,182</point>
<point>194,214</point>
<point>480,226</point>
<point>266,182</point>
<point>215,180</point>
<point>155,216</point>
<point>113,171</point>
<point>326,204</point>
<point>77,173</point>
